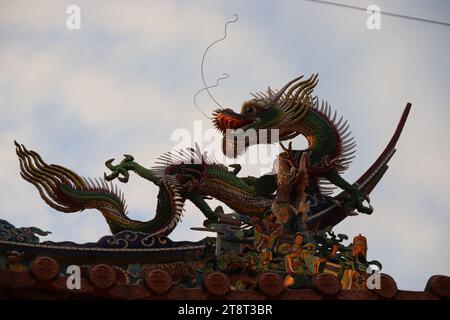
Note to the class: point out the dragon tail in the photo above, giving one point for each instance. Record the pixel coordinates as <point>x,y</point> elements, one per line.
<point>65,191</point>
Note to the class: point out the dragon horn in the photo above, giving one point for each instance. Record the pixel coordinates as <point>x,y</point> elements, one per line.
<point>306,89</point>
<point>278,95</point>
<point>128,157</point>
<point>308,84</point>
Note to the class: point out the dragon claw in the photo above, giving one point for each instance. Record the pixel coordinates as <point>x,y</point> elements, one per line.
<point>110,177</point>
<point>119,171</point>
<point>109,164</point>
<point>356,201</point>
<point>362,208</point>
<point>367,210</point>
<point>123,179</point>
<point>128,158</point>
<point>236,168</point>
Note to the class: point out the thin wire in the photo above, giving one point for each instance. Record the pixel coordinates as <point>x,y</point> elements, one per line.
<point>225,75</point>
<point>382,12</point>
<point>206,51</point>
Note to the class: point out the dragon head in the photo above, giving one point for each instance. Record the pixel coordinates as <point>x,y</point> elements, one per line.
<point>267,111</point>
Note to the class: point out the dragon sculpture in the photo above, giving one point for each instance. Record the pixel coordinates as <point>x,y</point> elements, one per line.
<point>191,175</point>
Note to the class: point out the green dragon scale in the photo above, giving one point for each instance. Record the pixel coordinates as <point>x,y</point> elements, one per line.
<point>191,175</point>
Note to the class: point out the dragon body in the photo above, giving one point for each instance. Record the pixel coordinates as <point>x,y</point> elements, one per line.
<point>294,111</point>
<point>191,175</point>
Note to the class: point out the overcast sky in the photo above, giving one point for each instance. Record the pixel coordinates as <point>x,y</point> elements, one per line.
<point>124,84</point>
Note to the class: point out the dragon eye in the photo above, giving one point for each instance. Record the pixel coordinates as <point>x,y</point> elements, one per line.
<point>250,110</point>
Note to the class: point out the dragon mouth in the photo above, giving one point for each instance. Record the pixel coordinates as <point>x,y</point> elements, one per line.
<point>228,120</point>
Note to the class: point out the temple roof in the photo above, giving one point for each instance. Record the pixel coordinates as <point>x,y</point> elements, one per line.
<point>43,281</point>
